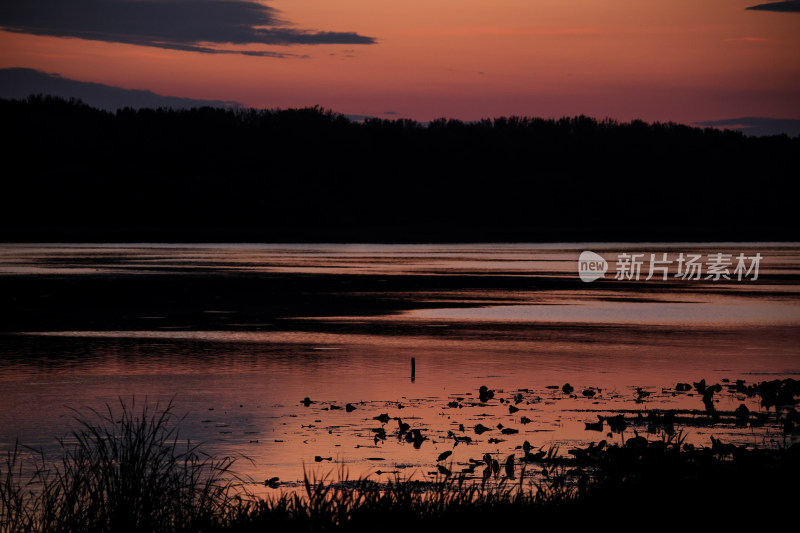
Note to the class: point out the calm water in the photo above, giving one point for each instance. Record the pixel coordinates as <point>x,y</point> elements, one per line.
<point>238,335</point>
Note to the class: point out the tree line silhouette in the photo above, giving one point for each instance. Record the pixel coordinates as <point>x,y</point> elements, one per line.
<point>77,173</point>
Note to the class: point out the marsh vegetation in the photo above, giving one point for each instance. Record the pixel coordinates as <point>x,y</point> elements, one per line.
<point>127,469</point>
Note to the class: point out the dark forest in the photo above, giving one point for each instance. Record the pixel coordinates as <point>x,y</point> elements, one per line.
<point>74,173</point>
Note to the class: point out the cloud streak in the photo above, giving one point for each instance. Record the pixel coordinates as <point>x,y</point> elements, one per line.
<point>789,6</point>
<point>19,83</point>
<point>206,26</point>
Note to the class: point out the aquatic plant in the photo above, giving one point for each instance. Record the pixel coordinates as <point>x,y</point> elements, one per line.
<point>127,470</point>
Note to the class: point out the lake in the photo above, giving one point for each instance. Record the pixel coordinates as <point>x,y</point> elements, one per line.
<point>236,336</point>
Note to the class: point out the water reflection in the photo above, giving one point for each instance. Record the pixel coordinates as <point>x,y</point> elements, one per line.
<point>513,318</point>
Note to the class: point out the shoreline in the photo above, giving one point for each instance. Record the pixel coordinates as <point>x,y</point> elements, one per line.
<point>650,476</point>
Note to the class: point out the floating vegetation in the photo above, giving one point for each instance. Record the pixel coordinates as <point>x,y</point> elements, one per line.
<point>126,469</point>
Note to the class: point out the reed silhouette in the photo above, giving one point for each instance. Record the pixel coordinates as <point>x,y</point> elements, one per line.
<point>127,471</point>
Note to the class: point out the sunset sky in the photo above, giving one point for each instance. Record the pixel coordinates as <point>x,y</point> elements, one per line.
<point>684,60</point>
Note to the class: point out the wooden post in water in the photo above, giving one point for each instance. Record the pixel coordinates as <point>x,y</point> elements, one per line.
<point>413,369</point>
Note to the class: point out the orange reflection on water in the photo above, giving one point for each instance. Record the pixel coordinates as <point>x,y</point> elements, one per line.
<point>242,384</point>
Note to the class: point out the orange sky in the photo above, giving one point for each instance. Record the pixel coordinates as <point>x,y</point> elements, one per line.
<point>682,60</point>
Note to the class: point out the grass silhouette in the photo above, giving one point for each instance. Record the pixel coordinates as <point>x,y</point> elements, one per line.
<point>121,470</point>
<point>126,469</point>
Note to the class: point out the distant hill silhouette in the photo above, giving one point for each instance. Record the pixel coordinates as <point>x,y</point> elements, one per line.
<point>73,172</point>
<point>757,126</point>
<point>19,83</point>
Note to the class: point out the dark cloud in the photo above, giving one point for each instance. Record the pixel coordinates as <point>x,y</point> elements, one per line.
<point>358,118</point>
<point>19,83</point>
<point>208,26</point>
<point>757,126</point>
<point>790,6</point>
